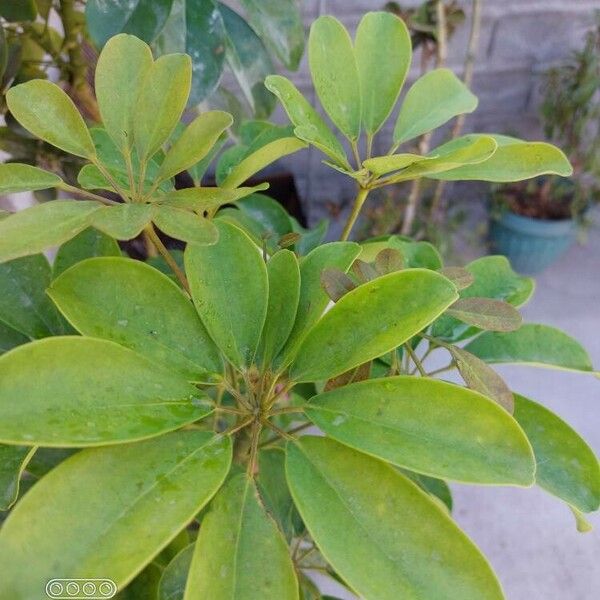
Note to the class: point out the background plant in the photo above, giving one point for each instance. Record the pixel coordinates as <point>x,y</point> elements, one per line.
<point>147,405</point>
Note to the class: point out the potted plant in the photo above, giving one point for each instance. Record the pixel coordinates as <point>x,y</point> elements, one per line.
<point>165,423</point>
<point>536,222</point>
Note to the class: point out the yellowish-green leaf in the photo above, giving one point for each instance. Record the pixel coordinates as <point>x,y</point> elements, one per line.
<point>431,101</point>
<point>380,165</point>
<point>203,199</point>
<point>123,221</point>
<point>47,112</point>
<point>383,535</point>
<point>15,177</point>
<point>184,225</point>
<point>90,392</point>
<point>121,505</point>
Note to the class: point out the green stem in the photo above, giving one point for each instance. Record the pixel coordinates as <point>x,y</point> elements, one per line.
<point>85,194</point>
<point>164,252</point>
<point>415,359</point>
<point>361,196</point>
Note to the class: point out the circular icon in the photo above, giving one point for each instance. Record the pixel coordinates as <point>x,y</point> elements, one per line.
<point>107,589</point>
<point>89,588</point>
<point>73,588</point>
<point>55,588</point>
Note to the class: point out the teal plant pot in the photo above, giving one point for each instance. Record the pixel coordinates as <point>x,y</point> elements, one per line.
<point>531,245</point>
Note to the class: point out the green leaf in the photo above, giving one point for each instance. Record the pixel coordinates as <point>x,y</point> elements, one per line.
<point>153,317</point>
<point>205,43</point>
<point>284,292</point>
<point>207,199</point>
<point>249,61</point>
<point>44,225</point>
<point>274,220</point>
<point>538,345</point>
<point>195,142</point>
<point>431,101</point>
<point>567,466</point>
<point>141,18</point>
<point>172,583</point>
<point>161,102</point>
<point>185,225</point>
<point>24,305</point>
<point>486,313</point>
<point>123,221</point>
<point>428,426</point>
<point>120,74</point>
<point>122,505</point>
<point>459,276</point>
<point>87,244</point>
<point>514,160</point>
<point>258,160</point>
<point>417,255</point>
<point>371,320</point>
<point>380,165</point>
<point>10,338</point>
<point>145,584</point>
<point>13,460</point>
<point>279,24</point>
<point>230,290</point>
<point>482,378</point>
<point>383,55</point>
<point>15,177</point>
<point>437,488</point>
<point>379,531</point>
<point>309,125</point>
<point>18,10</point>
<point>46,111</point>
<point>313,299</point>
<point>90,392</point>
<point>335,74</point>
<point>240,553</point>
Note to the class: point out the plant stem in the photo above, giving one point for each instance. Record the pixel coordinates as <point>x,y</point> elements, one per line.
<point>291,432</point>
<point>162,249</point>
<point>415,359</point>
<point>448,367</point>
<point>85,194</point>
<point>361,196</point>
<point>256,429</point>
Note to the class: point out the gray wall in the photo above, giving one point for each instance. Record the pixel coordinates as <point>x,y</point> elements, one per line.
<point>519,39</point>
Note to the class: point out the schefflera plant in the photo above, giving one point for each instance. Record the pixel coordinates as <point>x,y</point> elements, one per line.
<point>358,85</point>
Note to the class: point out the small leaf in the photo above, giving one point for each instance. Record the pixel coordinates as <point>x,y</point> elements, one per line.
<point>486,313</point>
<point>13,460</point>
<point>364,271</point>
<point>482,378</point>
<point>417,254</point>
<point>336,283</point>
<point>538,345</point>
<point>382,67</point>
<point>381,165</point>
<point>194,143</point>
<point>342,494</point>
<point>309,125</point>
<point>437,488</point>
<point>240,553</point>
<point>140,495</point>
<point>154,317</point>
<point>38,228</point>
<point>428,426</point>
<point>207,199</point>
<point>18,10</point>
<point>161,102</point>
<point>582,524</point>
<point>389,260</point>
<point>459,276</point>
<point>15,177</point>
<point>47,112</point>
<point>289,239</point>
<point>567,466</point>
<point>360,373</point>
<point>120,74</point>
<point>370,321</point>
<point>230,290</point>
<point>90,392</point>
<point>284,292</point>
<point>185,225</point>
<point>335,74</point>
<point>431,101</point>
<point>172,583</point>
<point>123,221</point>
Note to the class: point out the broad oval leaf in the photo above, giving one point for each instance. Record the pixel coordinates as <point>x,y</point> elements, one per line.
<point>421,255</point>
<point>240,553</point>
<point>185,225</point>
<point>230,290</point>
<point>207,199</point>
<point>412,549</point>
<point>284,292</point>
<point>538,345</point>
<point>44,225</point>
<point>309,125</point>
<point>154,317</point>
<point>90,392</point>
<point>123,221</point>
<point>120,73</point>
<point>122,505</point>
<point>428,426</point>
<point>174,578</point>
<point>486,313</point>
<point>13,460</point>
<point>383,55</point>
<point>567,466</point>
<point>47,112</point>
<point>195,142</point>
<point>15,177</point>
<point>163,97</point>
<point>371,320</point>
<point>335,74</point>
<point>431,101</point>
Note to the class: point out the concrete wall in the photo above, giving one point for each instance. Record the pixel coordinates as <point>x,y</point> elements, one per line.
<point>519,39</point>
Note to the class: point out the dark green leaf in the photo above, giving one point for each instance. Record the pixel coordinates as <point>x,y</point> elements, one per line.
<point>13,459</point>
<point>18,10</point>
<point>437,488</point>
<point>10,338</point>
<point>172,583</point>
